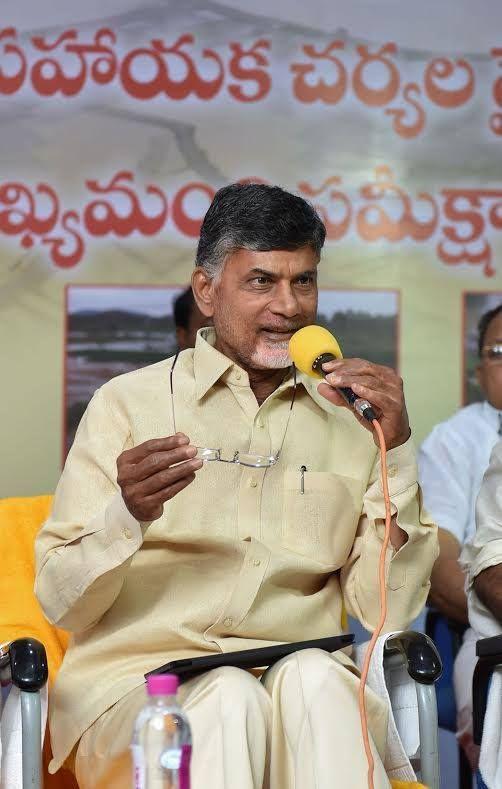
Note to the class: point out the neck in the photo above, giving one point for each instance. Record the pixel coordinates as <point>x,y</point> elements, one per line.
<point>264,382</point>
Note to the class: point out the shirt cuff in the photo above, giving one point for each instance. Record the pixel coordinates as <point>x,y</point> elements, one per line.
<point>489,556</point>
<point>402,468</point>
<point>122,529</point>
<point>110,539</point>
<point>402,476</point>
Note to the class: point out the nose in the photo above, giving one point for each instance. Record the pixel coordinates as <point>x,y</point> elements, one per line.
<point>285,302</point>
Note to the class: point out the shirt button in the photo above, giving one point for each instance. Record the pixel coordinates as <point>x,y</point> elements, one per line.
<point>228,622</point>
<point>127,533</point>
<point>238,376</point>
<point>253,483</point>
<point>260,423</point>
<point>392,470</point>
<point>256,562</point>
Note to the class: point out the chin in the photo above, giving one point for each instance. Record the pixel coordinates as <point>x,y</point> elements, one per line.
<point>268,359</point>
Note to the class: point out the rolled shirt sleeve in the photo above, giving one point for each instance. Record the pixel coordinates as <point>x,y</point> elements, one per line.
<point>484,549</point>
<point>85,547</point>
<point>408,569</point>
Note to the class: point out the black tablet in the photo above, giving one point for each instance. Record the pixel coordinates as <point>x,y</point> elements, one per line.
<point>188,668</point>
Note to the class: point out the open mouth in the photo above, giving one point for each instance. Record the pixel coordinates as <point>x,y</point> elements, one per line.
<point>278,335</point>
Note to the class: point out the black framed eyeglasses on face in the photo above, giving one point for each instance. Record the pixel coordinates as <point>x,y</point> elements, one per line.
<point>208,454</point>
<point>492,353</point>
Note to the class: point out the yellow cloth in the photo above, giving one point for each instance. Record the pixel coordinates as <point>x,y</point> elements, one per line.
<point>20,612</point>
<point>241,558</point>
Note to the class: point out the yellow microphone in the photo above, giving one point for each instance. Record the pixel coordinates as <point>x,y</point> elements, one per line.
<point>310,348</point>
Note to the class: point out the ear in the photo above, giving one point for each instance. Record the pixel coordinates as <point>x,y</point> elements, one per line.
<point>203,291</point>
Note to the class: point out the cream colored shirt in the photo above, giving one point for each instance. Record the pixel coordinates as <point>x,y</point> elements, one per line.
<point>240,558</point>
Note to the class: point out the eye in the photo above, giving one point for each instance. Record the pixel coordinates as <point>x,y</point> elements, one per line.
<point>305,279</point>
<point>261,280</point>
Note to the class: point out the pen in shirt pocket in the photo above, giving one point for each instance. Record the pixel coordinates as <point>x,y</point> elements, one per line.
<point>303,469</point>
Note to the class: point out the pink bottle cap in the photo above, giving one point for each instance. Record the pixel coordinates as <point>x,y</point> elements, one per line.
<point>162,684</point>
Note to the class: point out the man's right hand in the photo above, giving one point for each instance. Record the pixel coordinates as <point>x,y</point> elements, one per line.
<point>155,471</point>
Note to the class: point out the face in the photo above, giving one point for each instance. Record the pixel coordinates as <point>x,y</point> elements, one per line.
<point>186,337</point>
<point>489,371</point>
<point>257,303</point>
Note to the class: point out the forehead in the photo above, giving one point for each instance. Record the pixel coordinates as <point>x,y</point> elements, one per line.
<point>281,262</point>
<point>494,330</point>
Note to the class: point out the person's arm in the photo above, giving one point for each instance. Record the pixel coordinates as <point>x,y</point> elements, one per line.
<point>409,568</point>
<point>446,478</point>
<point>482,555</point>
<point>447,593</point>
<point>414,545</point>
<point>488,587</point>
<point>108,493</point>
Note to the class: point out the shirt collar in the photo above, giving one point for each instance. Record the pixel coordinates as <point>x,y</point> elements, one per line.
<point>210,365</point>
<point>492,415</point>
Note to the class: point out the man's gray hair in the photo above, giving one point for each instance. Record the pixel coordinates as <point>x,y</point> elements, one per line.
<point>259,218</point>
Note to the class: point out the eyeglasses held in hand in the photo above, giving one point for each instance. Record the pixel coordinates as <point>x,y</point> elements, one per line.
<point>242,458</point>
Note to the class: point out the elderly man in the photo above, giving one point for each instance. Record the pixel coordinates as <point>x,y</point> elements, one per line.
<point>151,555</point>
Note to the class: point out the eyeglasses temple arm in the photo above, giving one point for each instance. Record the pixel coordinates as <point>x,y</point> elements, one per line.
<point>172,395</point>
<point>289,414</point>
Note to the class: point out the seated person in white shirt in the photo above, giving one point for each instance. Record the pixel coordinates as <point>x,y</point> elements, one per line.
<point>452,461</point>
<point>481,559</point>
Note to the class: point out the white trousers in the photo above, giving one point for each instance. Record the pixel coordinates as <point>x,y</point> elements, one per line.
<point>299,727</point>
<point>463,672</point>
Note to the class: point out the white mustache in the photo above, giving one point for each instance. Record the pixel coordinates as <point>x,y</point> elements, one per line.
<point>280,329</point>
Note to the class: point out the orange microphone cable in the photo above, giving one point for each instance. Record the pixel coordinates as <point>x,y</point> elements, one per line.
<point>309,348</point>
<point>383,605</point>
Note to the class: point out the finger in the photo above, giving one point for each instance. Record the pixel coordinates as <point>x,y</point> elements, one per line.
<point>142,451</point>
<point>165,494</point>
<point>346,380</point>
<point>359,366</point>
<point>332,395</point>
<point>335,397</point>
<point>384,401</point>
<point>163,479</point>
<point>154,463</point>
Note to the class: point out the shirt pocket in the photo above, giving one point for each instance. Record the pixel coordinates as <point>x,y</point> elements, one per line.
<point>321,522</point>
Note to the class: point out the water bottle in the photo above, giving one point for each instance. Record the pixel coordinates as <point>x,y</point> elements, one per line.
<point>162,743</point>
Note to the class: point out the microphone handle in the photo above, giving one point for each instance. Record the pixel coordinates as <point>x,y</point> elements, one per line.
<point>359,404</point>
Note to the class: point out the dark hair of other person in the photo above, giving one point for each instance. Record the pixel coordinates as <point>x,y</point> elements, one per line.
<point>259,218</point>
<point>188,319</point>
<point>483,325</point>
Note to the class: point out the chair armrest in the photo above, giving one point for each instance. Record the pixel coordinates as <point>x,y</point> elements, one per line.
<point>489,647</point>
<point>419,651</point>
<point>489,652</point>
<point>28,664</point>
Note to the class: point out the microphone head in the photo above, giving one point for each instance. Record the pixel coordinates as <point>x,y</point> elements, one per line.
<point>310,342</point>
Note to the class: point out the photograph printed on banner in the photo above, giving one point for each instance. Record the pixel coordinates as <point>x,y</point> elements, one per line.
<point>113,329</point>
<point>475,305</point>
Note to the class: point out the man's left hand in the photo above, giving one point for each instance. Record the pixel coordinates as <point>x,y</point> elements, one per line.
<point>380,385</point>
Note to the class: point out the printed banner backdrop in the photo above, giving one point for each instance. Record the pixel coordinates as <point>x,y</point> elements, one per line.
<point>119,121</point>
<point>112,330</point>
